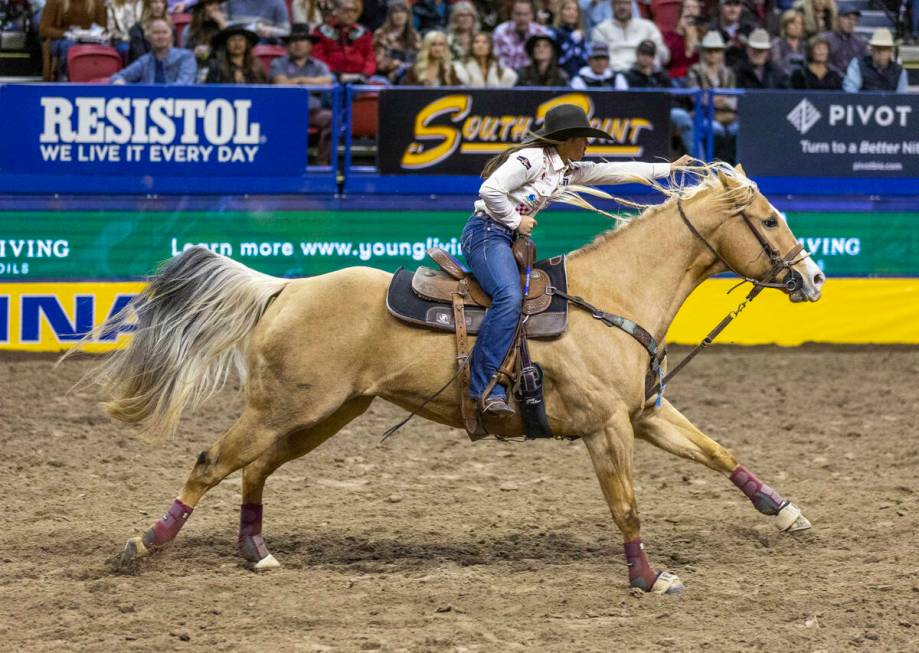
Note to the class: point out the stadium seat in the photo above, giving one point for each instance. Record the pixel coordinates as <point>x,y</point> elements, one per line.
<point>180,21</point>
<point>88,62</point>
<point>365,115</point>
<point>268,53</point>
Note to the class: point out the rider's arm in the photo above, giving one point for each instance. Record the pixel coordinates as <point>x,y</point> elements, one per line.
<point>519,169</point>
<point>589,173</point>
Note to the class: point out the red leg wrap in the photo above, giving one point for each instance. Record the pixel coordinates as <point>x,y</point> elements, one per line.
<point>641,574</point>
<point>169,525</point>
<point>764,498</point>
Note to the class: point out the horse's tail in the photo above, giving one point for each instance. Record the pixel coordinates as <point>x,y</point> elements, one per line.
<point>193,323</point>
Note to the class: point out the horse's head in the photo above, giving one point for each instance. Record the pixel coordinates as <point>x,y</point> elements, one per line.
<point>753,239</point>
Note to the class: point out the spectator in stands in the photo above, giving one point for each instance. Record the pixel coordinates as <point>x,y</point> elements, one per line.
<point>207,19</point>
<point>60,16</point>
<point>373,13</point>
<point>733,30</point>
<point>464,24</point>
<point>595,12</point>
<point>845,44</point>
<point>711,72</point>
<point>572,41</point>
<point>876,71</point>
<point>788,48</point>
<point>683,41</point>
<point>164,64</point>
<point>646,74</point>
<point>543,71</point>
<point>490,13</point>
<point>511,37</point>
<point>431,14</point>
<point>267,18</point>
<point>311,12</point>
<point>298,67</point>
<point>623,32</point>
<point>122,14</point>
<point>481,68</point>
<point>597,73</point>
<point>138,43</point>
<point>757,71</point>
<point>435,65</point>
<point>819,15</point>
<point>345,45</point>
<point>396,43</point>
<point>232,61</point>
<point>816,75</point>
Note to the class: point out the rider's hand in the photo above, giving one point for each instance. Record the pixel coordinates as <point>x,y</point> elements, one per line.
<point>526,225</point>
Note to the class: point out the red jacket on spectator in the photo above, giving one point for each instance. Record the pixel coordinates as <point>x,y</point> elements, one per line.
<point>345,50</point>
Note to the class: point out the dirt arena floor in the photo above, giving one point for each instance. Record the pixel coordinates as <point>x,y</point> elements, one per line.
<point>428,543</point>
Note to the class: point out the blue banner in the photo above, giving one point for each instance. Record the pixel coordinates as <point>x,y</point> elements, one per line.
<point>195,131</point>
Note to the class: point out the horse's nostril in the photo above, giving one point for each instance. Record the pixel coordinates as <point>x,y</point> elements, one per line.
<point>819,279</point>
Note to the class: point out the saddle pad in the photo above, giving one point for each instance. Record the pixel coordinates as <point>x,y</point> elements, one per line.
<point>403,303</point>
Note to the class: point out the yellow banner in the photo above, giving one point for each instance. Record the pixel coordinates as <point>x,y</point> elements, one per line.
<point>55,316</point>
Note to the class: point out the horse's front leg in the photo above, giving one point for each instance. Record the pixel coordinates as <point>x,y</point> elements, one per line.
<point>611,452</point>
<point>669,429</point>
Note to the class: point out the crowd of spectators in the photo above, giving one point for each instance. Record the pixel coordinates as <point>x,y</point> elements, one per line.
<point>802,44</point>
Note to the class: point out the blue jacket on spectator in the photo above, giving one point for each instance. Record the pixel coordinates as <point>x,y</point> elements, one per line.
<point>179,67</point>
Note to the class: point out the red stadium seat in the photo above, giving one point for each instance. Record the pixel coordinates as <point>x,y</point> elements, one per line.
<point>180,21</point>
<point>365,115</point>
<point>268,53</point>
<point>88,62</point>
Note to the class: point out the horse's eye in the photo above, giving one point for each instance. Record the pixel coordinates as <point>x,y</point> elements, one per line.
<point>771,223</point>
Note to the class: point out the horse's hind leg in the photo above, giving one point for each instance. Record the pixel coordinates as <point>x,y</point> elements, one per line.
<point>242,443</point>
<point>296,444</point>
<point>669,429</point>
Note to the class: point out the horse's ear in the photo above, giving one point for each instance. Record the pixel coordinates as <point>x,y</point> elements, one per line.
<point>728,181</point>
<point>739,168</point>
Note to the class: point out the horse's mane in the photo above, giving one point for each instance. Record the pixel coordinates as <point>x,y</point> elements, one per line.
<point>683,183</point>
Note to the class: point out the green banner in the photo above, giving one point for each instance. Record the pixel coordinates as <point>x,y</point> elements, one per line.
<point>124,245</point>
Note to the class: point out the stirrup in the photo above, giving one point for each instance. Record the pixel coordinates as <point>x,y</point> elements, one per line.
<point>497,406</point>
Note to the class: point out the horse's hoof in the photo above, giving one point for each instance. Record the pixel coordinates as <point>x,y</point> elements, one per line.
<point>253,550</point>
<point>133,551</point>
<point>266,563</point>
<point>667,583</point>
<point>790,519</point>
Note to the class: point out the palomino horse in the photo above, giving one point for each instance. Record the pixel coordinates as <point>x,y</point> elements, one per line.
<point>313,353</point>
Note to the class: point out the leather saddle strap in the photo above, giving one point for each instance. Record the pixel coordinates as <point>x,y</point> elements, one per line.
<point>467,405</point>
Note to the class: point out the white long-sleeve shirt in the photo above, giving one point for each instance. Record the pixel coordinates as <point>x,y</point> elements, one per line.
<point>623,39</point>
<point>526,182</point>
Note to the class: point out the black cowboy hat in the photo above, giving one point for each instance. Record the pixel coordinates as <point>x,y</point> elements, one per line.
<point>568,121</point>
<point>301,32</point>
<point>531,43</point>
<point>221,37</point>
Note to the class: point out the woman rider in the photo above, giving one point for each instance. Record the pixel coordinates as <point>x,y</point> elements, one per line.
<point>520,182</point>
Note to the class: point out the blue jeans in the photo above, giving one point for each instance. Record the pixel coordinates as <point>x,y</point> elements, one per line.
<point>59,49</point>
<point>487,248</point>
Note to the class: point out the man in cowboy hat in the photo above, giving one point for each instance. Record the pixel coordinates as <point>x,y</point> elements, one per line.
<point>519,183</point>
<point>733,29</point>
<point>298,67</point>
<point>876,71</point>
<point>164,64</point>
<point>845,44</point>
<point>757,71</point>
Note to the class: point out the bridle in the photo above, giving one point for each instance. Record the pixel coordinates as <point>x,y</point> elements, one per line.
<point>791,282</point>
